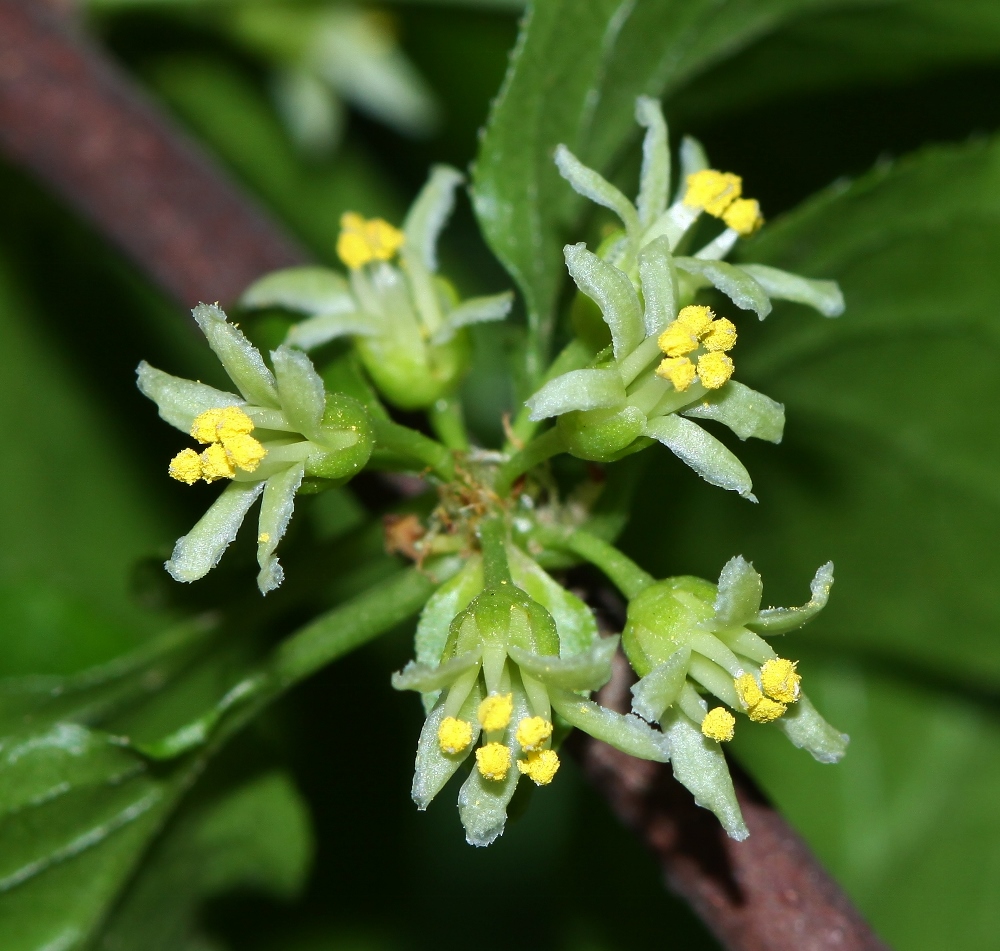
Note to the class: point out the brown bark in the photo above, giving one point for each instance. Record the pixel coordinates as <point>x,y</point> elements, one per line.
<point>78,123</point>
<point>73,118</point>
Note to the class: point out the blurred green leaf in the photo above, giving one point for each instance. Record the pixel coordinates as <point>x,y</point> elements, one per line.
<point>576,72</point>
<point>889,462</point>
<point>908,820</point>
<point>254,837</point>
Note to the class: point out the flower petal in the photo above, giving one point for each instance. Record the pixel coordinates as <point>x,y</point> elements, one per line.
<point>425,678</point>
<point>475,310</point>
<point>178,400</point>
<point>654,180</point>
<point>624,732</point>
<point>428,215</point>
<point>746,412</point>
<point>702,452</point>
<point>825,296</point>
<point>434,767</point>
<point>585,181</point>
<point>241,359</point>
<point>275,514</point>
<point>661,687</point>
<point>589,670</point>
<point>740,591</point>
<point>323,328</point>
<point>308,290</point>
<point>781,620</point>
<point>807,730</point>
<point>731,280</point>
<point>577,390</point>
<point>659,284</point>
<point>300,389</point>
<point>198,552</point>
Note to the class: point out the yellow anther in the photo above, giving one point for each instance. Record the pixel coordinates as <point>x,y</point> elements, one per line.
<point>678,370</point>
<point>454,735</point>
<point>780,681</point>
<point>222,423</point>
<point>744,216</point>
<point>493,761</point>
<point>748,690</point>
<point>712,190</point>
<point>495,711</point>
<point>719,725</point>
<point>532,732</point>
<point>264,537</point>
<point>216,464</point>
<point>721,335</point>
<point>540,766</point>
<point>362,240</point>
<point>696,318</point>
<point>766,710</point>
<point>677,340</point>
<point>714,370</point>
<point>245,451</point>
<point>186,467</point>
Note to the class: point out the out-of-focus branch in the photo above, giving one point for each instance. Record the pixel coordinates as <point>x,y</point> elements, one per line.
<point>768,893</point>
<point>80,124</point>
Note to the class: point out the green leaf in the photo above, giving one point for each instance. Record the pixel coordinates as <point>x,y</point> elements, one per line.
<point>592,60</point>
<point>256,836</point>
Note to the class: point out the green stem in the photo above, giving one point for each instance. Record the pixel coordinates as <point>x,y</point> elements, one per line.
<point>406,442</point>
<point>448,423</point>
<point>542,447</point>
<point>347,627</point>
<point>492,534</point>
<point>626,575</point>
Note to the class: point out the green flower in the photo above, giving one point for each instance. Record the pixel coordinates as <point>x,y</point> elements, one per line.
<point>688,638</point>
<point>407,322</point>
<point>283,433</point>
<point>494,663</point>
<point>668,359</point>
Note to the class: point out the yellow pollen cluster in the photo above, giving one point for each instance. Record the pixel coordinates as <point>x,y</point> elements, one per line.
<point>230,446</point>
<point>540,766</point>
<point>719,725</point>
<point>495,712</point>
<point>743,216</point>
<point>532,732</point>
<point>493,761</point>
<point>712,190</point>
<point>759,708</point>
<point>362,240</point>
<point>454,735</point>
<point>780,681</point>
<point>697,327</point>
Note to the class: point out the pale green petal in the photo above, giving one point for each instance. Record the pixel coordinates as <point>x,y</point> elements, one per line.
<point>740,591</point>
<point>715,679</point>
<point>654,180</point>
<point>241,359</point>
<point>613,293</point>
<point>577,390</point>
<point>310,110</point>
<point>308,290</point>
<point>659,284</point>
<point>809,731</point>
<point>702,452</point>
<point>731,280</point>
<point>693,159</point>
<point>482,803</point>
<point>781,620</point>
<point>475,310</point>
<point>746,412</point>
<point>300,389</point>
<point>825,296</point>
<point>574,620</point>
<point>589,670</point>
<point>428,215</point>
<point>275,514</point>
<point>453,597</point>
<point>323,328</point>
<point>585,181</point>
<point>425,678</point>
<point>433,768</point>
<point>198,552</point>
<point>700,765</point>
<point>661,687</point>
<point>627,733</point>
<point>178,400</point>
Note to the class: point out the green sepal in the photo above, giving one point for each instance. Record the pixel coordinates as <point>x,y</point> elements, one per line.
<point>700,766</point>
<point>740,591</point>
<point>240,358</point>
<point>702,452</point>
<point>178,400</point>
<point>654,693</point>
<point>602,435</point>
<point>433,767</point>
<point>482,803</point>
<point>345,422</point>
<point>731,280</point>
<point>772,621</point>
<point>590,670</point>
<point>807,730</point>
<point>199,551</point>
<point>824,296</point>
<point>746,412</point>
<point>625,732</point>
